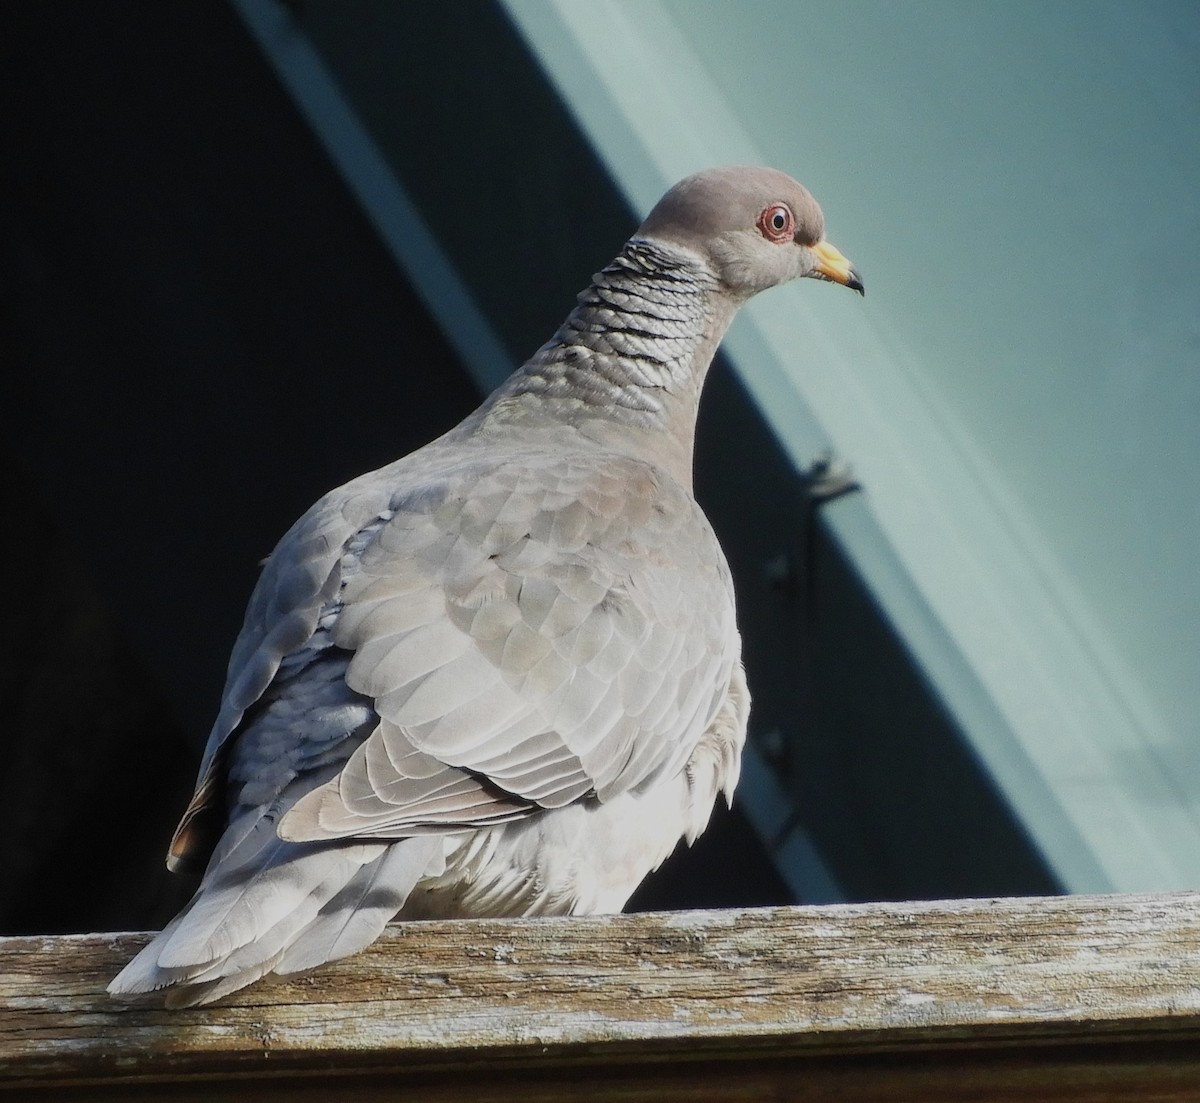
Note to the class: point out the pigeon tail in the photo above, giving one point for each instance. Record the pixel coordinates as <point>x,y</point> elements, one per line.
<point>304,905</point>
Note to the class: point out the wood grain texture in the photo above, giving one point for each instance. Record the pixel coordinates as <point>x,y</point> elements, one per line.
<point>1056,998</point>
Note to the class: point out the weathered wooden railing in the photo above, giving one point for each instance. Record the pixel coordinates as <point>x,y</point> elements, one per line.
<point>1073,998</point>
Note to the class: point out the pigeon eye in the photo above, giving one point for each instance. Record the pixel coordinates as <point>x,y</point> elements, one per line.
<point>777,223</point>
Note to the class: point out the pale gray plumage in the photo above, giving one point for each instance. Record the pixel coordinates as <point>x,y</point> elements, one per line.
<point>501,675</point>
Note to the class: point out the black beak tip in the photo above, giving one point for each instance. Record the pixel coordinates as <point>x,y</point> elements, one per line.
<point>855,283</point>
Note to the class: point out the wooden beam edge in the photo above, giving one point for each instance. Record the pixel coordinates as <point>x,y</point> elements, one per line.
<point>463,996</point>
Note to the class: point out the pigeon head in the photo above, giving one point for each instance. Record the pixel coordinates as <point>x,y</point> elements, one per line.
<point>754,227</point>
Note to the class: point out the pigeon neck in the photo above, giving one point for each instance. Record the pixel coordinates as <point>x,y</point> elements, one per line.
<point>627,366</point>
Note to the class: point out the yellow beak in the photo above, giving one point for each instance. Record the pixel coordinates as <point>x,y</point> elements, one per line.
<point>831,265</point>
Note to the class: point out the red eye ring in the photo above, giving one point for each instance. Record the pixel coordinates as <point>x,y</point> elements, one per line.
<point>777,223</point>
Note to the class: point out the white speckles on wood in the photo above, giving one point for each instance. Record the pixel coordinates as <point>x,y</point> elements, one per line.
<point>486,1010</point>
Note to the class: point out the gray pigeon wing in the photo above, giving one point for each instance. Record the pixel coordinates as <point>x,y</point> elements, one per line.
<point>299,580</point>
<point>531,632</point>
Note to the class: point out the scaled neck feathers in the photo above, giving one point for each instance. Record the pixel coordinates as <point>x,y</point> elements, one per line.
<point>629,362</point>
